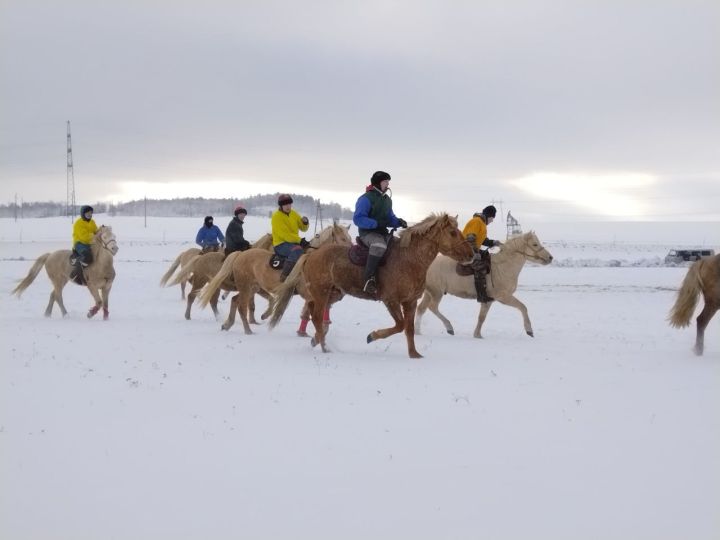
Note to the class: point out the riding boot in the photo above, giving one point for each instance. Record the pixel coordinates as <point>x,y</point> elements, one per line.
<point>286,269</point>
<point>369,277</point>
<point>481,287</point>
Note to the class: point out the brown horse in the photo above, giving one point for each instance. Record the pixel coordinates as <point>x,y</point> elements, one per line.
<point>401,280</point>
<point>251,273</point>
<point>99,275</point>
<point>702,277</point>
<point>181,260</point>
<point>502,281</point>
<point>202,268</point>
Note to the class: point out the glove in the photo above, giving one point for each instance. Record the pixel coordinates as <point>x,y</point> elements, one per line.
<point>402,223</point>
<point>497,243</point>
<point>304,243</point>
<point>470,238</point>
<point>305,220</point>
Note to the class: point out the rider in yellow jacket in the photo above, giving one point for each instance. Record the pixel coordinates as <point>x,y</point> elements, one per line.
<point>286,224</point>
<point>84,230</point>
<point>475,232</point>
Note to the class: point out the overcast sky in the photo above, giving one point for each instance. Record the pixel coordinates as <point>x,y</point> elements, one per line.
<point>564,110</point>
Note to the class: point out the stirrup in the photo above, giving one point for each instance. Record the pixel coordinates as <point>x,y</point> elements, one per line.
<point>370,286</point>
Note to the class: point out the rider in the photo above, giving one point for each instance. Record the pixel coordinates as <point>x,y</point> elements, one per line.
<point>209,237</point>
<point>84,230</point>
<point>373,215</point>
<point>234,238</point>
<point>286,224</point>
<point>476,233</point>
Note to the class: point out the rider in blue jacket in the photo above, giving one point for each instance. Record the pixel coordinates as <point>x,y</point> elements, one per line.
<point>209,237</point>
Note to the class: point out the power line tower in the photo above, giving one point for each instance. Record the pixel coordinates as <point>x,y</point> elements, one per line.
<point>513,226</point>
<point>318,218</point>
<point>70,203</point>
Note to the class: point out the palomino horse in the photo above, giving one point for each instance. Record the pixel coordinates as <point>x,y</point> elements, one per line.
<point>181,260</point>
<point>251,273</point>
<point>99,275</point>
<point>703,276</point>
<point>202,268</point>
<point>400,282</point>
<point>502,282</point>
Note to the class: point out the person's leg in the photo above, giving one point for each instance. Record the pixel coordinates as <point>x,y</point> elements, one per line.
<point>376,249</point>
<point>292,252</point>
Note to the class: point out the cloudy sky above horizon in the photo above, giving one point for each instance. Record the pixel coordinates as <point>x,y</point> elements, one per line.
<point>562,110</point>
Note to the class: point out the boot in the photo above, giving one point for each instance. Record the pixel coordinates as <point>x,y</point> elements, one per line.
<point>369,278</point>
<point>481,287</point>
<point>286,269</point>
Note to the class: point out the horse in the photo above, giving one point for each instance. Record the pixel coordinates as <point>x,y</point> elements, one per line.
<point>505,267</point>
<point>251,273</point>
<point>99,275</point>
<point>401,279</point>
<point>702,277</point>
<point>202,268</point>
<point>181,260</point>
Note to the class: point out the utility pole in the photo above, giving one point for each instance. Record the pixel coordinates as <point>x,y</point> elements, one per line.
<point>15,209</point>
<point>499,203</point>
<point>70,203</point>
<point>318,218</point>
<point>146,211</point>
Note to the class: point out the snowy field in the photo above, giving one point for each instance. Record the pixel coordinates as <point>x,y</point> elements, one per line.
<point>148,426</point>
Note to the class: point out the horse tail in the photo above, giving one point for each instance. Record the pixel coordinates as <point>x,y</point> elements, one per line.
<point>225,270</point>
<point>184,273</point>
<point>173,267</point>
<point>32,274</point>
<point>284,293</point>
<point>687,298</point>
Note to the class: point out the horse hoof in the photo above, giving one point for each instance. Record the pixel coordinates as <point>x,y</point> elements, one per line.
<point>225,328</point>
<point>451,332</point>
<point>530,334</point>
<point>415,355</point>
<point>697,351</point>
<point>302,333</point>
<point>370,338</point>
<point>264,316</point>
<point>313,342</point>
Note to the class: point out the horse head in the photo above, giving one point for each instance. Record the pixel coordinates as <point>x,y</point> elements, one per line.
<point>107,238</point>
<point>444,229</point>
<point>529,245</point>
<point>335,234</point>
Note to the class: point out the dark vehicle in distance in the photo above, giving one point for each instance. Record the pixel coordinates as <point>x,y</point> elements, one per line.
<point>676,256</point>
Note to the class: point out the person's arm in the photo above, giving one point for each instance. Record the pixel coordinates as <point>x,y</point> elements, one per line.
<point>303,223</point>
<point>199,237</point>
<point>361,218</point>
<point>220,235</point>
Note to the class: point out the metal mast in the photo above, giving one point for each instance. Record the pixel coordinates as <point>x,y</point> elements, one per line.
<point>70,204</point>
<point>318,218</point>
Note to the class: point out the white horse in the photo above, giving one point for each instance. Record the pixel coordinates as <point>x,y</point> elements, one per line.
<point>99,275</point>
<point>502,281</point>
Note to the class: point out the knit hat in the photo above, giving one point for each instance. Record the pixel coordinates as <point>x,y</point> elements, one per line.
<point>490,211</point>
<point>240,209</point>
<point>208,220</point>
<point>378,177</point>
<point>85,209</point>
<point>284,199</point>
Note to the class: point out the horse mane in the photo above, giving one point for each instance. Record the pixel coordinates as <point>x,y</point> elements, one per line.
<point>425,227</point>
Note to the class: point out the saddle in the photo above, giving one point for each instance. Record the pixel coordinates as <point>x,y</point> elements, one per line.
<point>276,261</point>
<point>77,275</point>
<point>358,252</point>
<point>479,265</point>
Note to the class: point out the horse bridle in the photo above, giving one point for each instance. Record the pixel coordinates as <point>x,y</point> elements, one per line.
<point>106,244</point>
<point>533,255</point>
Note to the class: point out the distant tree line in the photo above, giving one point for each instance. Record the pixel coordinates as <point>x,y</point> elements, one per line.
<point>256,205</point>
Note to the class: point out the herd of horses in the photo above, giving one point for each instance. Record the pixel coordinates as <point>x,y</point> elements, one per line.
<point>421,266</point>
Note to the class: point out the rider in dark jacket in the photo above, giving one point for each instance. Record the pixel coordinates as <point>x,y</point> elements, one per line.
<point>373,215</point>
<point>234,237</point>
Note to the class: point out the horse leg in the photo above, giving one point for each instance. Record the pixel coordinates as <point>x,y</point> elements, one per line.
<point>434,305</point>
<point>396,312</point>
<point>105,293</point>
<point>231,315</point>
<point>58,286</point>
<point>251,310</point>
<point>304,320</point>
<point>190,299</point>
<point>51,304</point>
<point>98,302</point>
<point>182,290</point>
<point>484,308</point>
<point>245,296</point>
<point>316,314</point>
<point>214,303</point>
<point>326,319</point>
<point>409,309</point>
<point>269,298</point>
<point>702,321</point>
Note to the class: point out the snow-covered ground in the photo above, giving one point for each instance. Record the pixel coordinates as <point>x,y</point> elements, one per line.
<point>605,425</point>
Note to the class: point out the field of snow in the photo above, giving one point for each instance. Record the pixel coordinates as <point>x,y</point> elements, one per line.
<point>604,425</point>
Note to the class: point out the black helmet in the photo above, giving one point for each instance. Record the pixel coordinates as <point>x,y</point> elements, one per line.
<point>85,209</point>
<point>490,211</point>
<point>284,199</point>
<point>378,177</point>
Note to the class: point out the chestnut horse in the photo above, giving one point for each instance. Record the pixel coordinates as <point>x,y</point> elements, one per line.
<point>702,277</point>
<point>99,275</point>
<point>401,280</point>
<point>502,281</point>
<point>202,268</point>
<point>251,273</point>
